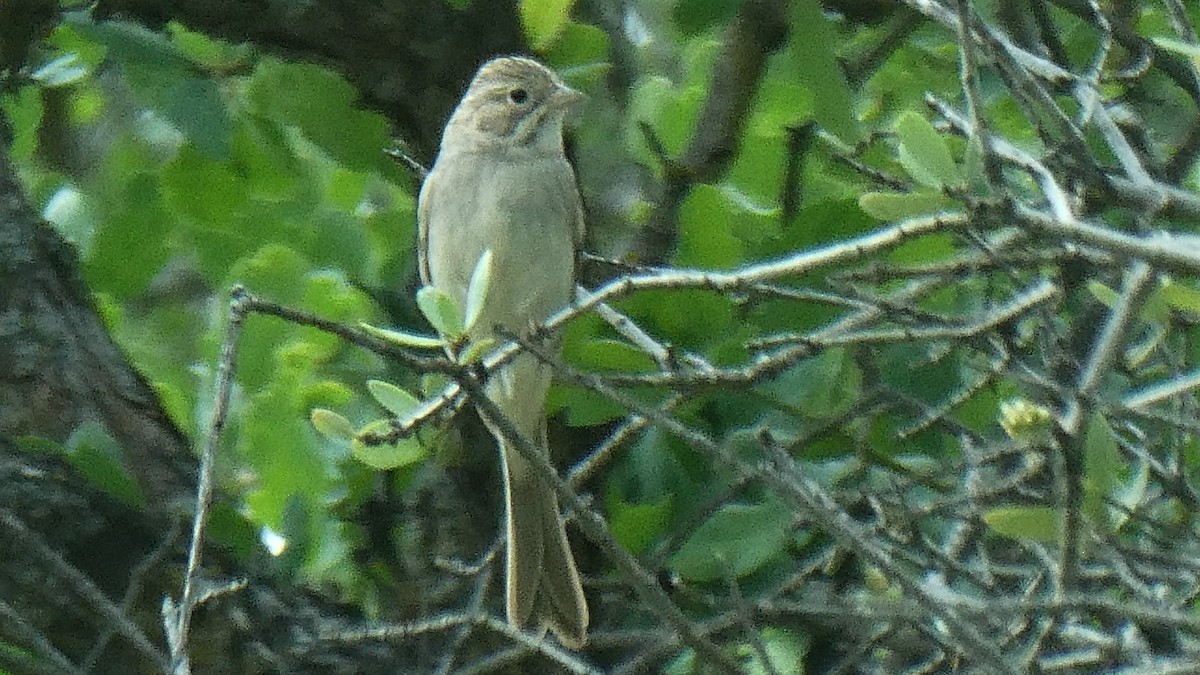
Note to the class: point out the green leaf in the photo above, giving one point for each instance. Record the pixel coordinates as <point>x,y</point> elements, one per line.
<point>131,43</point>
<point>736,540</point>
<point>1102,466</point>
<point>210,193</point>
<point>477,349</point>
<point>275,443</point>
<point>96,456</point>
<point>584,407</point>
<point>403,339</point>
<point>321,105</point>
<point>925,154</point>
<point>1179,296</point>
<point>708,221</point>
<point>441,312</point>
<point>326,393</point>
<point>134,222</point>
<point>822,386</point>
<point>580,55</point>
<point>612,356</point>
<point>195,107</point>
<point>784,649</point>
<point>38,445</point>
<point>637,526</point>
<point>1103,293</point>
<point>404,452</point>
<point>65,69</point>
<point>1038,523</point>
<point>544,20</point>
<point>697,16</point>
<point>477,289</point>
<point>889,206</point>
<point>397,401</point>
<point>331,425</point>
<point>1131,494</point>
<point>811,48</point>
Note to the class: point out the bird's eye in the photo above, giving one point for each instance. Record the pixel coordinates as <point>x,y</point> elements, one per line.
<point>518,96</point>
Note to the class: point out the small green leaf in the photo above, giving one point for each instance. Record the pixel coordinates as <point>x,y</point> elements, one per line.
<point>925,153</point>
<point>95,455</point>
<point>37,445</point>
<point>195,107</point>
<point>1039,523</point>
<point>63,70</point>
<point>580,55</point>
<point>785,650</point>
<point>889,206</point>
<point>131,43</point>
<point>402,453</point>
<point>637,526</point>
<point>543,20</point>
<point>1101,466</point>
<point>1181,297</point>
<point>814,49</point>
<point>397,401</point>
<point>1103,293</point>
<point>737,539</point>
<point>402,339</point>
<point>477,289</point>
<point>1131,493</point>
<point>477,349</point>
<point>331,425</point>
<point>613,356</point>
<point>708,237</point>
<point>441,311</point>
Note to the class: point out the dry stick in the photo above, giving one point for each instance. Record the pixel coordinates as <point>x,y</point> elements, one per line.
<point>474,608</point>
<point>1160,251</point>
<point>1159,392</point>
<point>978,134</point>
<point>1105,349</point>
<point>1036,294</point>
<point>165,547</point>
<point>178,625</point>
<point>85,587</point>
<point>562,657</point>
<point>35,640</point>
<point>753,633</point>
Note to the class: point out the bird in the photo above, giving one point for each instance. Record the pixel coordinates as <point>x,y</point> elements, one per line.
<point>501,182</point>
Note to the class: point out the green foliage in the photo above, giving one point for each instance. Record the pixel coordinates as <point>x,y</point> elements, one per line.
<point>1037,523</point>
<point>811,51</point>
<point>442,312</point>
<point>96,456</point>
<point>237,169</point>
<point>386,456</point>
<point>737,540</point>
<point>544,20</point>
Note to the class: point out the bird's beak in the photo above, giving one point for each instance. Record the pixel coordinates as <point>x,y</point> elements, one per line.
<point>567,98</point>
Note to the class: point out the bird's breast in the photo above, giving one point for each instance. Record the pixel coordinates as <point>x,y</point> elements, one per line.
<point>524,212</point>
